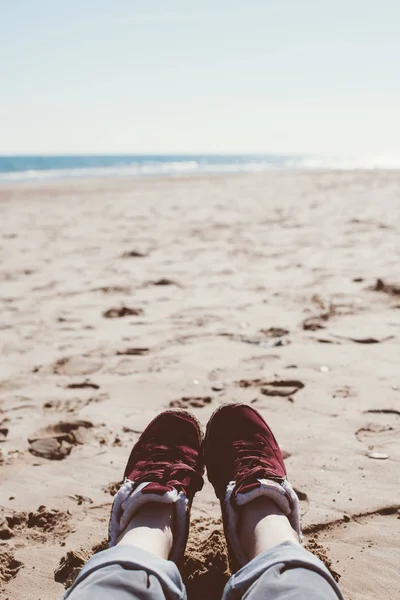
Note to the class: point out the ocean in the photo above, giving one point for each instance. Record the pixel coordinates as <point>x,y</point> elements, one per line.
<point>34,168</point>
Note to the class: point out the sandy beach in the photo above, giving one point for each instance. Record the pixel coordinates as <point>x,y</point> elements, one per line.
<point>120,298</point>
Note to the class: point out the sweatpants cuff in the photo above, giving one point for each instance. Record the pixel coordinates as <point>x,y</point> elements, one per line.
<point>285,556</point>
<point>135,559</point>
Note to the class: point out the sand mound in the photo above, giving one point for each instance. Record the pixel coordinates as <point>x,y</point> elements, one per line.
<point>205,569</point>
<point>72,563</point>
<point>9,567</point>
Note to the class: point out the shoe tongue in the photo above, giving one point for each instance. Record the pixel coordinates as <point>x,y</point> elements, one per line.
<point>274,490</point>
<point>246,487</point>
<point>249,480</point>
<point>156,488</point>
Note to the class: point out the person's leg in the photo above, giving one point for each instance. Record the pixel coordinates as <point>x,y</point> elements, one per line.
<point>279,567</point>
<point>151,529</point>
<point>262,525</point>
<point>150,517</point>
<point>260,512</point>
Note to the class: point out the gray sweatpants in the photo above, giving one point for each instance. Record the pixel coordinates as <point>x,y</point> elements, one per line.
<point>286,572</point>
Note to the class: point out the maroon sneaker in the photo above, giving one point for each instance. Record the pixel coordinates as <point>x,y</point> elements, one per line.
<point>244,461</point>
<point>165,466</point>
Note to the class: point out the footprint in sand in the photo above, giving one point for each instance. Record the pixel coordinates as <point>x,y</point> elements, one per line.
<point>191,401</point>
<point>77,365</point>
<point>55,442</point>
<point>326,311</point>
<point>373,434</point>
<point>378,438</point>
<point>382,432</point>
<point>276,387</point>
<point>126,366</point>
<point>72,405</point>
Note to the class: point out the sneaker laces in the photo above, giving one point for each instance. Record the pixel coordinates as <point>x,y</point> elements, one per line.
<point>174,467</point>
<point>252,462</point>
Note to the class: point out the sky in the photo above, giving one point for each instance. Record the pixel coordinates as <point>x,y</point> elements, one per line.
<point>216,76</point>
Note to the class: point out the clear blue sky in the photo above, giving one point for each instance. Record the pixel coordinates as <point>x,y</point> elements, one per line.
<point>157,76</point>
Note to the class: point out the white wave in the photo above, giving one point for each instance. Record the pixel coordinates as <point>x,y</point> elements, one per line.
<point>206,165</point>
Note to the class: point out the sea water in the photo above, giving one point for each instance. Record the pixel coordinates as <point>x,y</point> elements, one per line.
<point>30,168</point>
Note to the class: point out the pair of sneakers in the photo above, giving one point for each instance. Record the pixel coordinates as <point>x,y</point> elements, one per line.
<point>166,465</point>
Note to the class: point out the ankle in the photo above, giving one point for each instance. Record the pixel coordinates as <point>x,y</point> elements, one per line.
<point>260,507</point>
<point>151,529</point>
<point>262,525</point>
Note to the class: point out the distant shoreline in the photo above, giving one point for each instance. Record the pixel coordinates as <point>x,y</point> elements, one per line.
<point>56,168</point>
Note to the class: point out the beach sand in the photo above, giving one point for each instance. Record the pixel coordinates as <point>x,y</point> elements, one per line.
<point>121,298</point>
